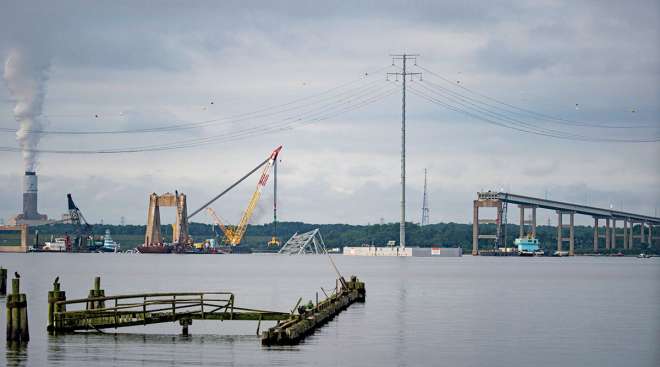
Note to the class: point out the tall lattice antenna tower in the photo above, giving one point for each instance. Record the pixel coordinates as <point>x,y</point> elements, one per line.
<point>425,204</point>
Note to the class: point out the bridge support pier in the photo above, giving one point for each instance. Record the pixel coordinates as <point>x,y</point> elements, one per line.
<point>596,236</point>
<point>475,229</point>
<point>607,234</point>
<point>531,222</point>
<point>653,239</point>
<point>626,238</point>
<point>571,232</point>
<point>560,234</point>
<point>613,241</point>
<point>476,236</point>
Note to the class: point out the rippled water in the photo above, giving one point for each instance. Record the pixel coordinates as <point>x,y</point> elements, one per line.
<point>580,311</point>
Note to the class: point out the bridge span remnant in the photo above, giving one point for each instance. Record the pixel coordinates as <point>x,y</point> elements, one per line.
<point>646,224</point>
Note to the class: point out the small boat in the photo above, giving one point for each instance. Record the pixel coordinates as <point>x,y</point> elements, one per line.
<point>643,256</point>
<point>59,245</point>
<point>560,253</point>
<point>109,245</point>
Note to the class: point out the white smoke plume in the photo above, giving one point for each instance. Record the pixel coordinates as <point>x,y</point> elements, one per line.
<point>26,74</point>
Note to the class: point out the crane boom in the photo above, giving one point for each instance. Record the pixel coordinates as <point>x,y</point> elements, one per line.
<point>235,234</point>
<point>229,232</point>
<point>242,225</point>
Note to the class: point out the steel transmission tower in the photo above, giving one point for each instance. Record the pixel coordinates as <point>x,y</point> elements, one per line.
<point>425,204</point>
<point>404,73</point>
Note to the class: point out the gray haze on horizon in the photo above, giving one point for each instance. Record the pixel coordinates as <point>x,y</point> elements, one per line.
<point>158,64</point>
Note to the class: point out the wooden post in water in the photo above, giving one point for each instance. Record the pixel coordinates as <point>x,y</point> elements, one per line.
<point>96,292</point>
<point>17,319</point>
<point>185,323</point>
<point>3,281</point>
<point>54,296</point>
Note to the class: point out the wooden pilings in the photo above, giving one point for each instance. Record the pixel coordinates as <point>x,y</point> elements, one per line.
<point>54,296</point>
<point>311,317</point>
<point>17,318</point>
<point>185,322</point>
<point>94,293</point>
<point>3,281</point>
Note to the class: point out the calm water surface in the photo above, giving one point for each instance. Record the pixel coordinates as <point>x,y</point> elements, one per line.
<point>581,311</point>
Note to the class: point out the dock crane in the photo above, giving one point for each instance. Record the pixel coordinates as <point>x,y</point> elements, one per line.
<point>82,228</point>
<point>235,234</point>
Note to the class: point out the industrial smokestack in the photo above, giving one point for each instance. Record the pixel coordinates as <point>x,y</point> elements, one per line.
<point>30,196</point>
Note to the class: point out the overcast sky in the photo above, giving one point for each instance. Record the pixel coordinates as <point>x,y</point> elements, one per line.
<point>148,64</point>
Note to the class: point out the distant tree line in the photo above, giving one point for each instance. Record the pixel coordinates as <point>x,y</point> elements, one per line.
<point>340,235</point>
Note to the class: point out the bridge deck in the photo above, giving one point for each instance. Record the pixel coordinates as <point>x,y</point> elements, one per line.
<point>564,206</point>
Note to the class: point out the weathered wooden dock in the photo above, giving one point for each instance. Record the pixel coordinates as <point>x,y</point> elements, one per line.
<point>98,311</point>
<point>309,319</point>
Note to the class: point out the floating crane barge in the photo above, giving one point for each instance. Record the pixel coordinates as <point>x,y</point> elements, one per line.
<point>98,312</point>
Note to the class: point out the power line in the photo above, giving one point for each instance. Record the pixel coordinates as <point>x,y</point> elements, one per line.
<point>479,109</point>
<point>555,119</point>
<point>225,120</point>
<point>268,128</point>
<point>525,128</point>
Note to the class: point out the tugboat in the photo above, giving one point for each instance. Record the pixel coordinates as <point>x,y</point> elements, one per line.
<point>528,246</point>
<point>109,245</point>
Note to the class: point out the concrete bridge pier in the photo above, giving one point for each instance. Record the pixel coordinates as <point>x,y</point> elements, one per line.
<point>613,240</point>
<point>476,236</point>
<point>596,234</point>
<point>571,232</point>
<point>625,234</point>
<point>653,239</point>
<point>531,222</point>
<point>560,234</point>
<point>631,235</point>
<point>607,234</point>
<point>649,234</point>
<point>571,235</point>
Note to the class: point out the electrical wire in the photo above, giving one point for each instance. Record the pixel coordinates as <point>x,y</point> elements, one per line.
<point>522,128</point>
<point>232,119</point>
<point>518,110</point>
<point>287,124</point>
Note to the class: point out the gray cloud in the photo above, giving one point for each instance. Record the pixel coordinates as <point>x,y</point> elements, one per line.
<point>162,62</point>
